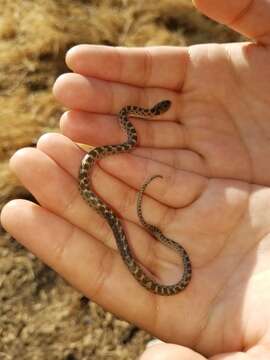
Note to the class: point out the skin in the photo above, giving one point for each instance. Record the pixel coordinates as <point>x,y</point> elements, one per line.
<point>212,147</point>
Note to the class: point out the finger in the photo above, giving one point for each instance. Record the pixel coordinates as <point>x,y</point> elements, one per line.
<point>249,17</point>
<point>177,189</point>
<point>144,67</point>
<point>96,129</point>
<point>60,194</point>
<point>87,264</point>
<point>162,351</point>
<point>88,94</point>
<point>181,159</point>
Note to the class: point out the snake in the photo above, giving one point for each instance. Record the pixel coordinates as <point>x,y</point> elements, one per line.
<point>94,201</point>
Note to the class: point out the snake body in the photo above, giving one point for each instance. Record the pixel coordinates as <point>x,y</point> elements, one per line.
<point>114,222</point>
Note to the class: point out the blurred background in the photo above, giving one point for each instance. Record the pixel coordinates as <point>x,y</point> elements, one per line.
<point>42,317</point>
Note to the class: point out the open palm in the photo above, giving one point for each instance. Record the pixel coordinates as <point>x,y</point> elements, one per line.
<point>212,148</point>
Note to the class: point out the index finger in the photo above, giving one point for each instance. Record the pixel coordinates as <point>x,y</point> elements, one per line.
<point>145,67</point>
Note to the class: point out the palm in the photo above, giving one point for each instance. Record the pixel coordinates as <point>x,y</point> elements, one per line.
<point>212,170</point>
<point>225,111</point>
<point>213,198</point>
<point>227,146</point>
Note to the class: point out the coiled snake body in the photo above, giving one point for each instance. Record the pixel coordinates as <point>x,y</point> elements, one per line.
<point>106,212</point>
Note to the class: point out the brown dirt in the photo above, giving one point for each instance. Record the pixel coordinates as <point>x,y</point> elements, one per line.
<point>42,317</point>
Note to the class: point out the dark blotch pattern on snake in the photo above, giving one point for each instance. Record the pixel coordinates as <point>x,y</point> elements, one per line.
<point>106,212</point>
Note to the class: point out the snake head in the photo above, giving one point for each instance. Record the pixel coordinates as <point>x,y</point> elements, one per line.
<point>161,107</point>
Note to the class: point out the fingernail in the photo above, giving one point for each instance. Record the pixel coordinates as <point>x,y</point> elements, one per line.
<point>153,342</point>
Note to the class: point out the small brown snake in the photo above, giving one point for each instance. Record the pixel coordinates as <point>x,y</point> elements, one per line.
<point>107,213</point>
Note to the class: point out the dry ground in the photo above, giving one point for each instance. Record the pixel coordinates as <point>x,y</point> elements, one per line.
<point>41,317</point>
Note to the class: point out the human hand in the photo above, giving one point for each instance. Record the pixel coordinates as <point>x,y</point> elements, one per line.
<point>212,149</point>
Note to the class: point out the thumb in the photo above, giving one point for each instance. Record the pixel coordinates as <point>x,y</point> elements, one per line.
<point>249,17</point>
